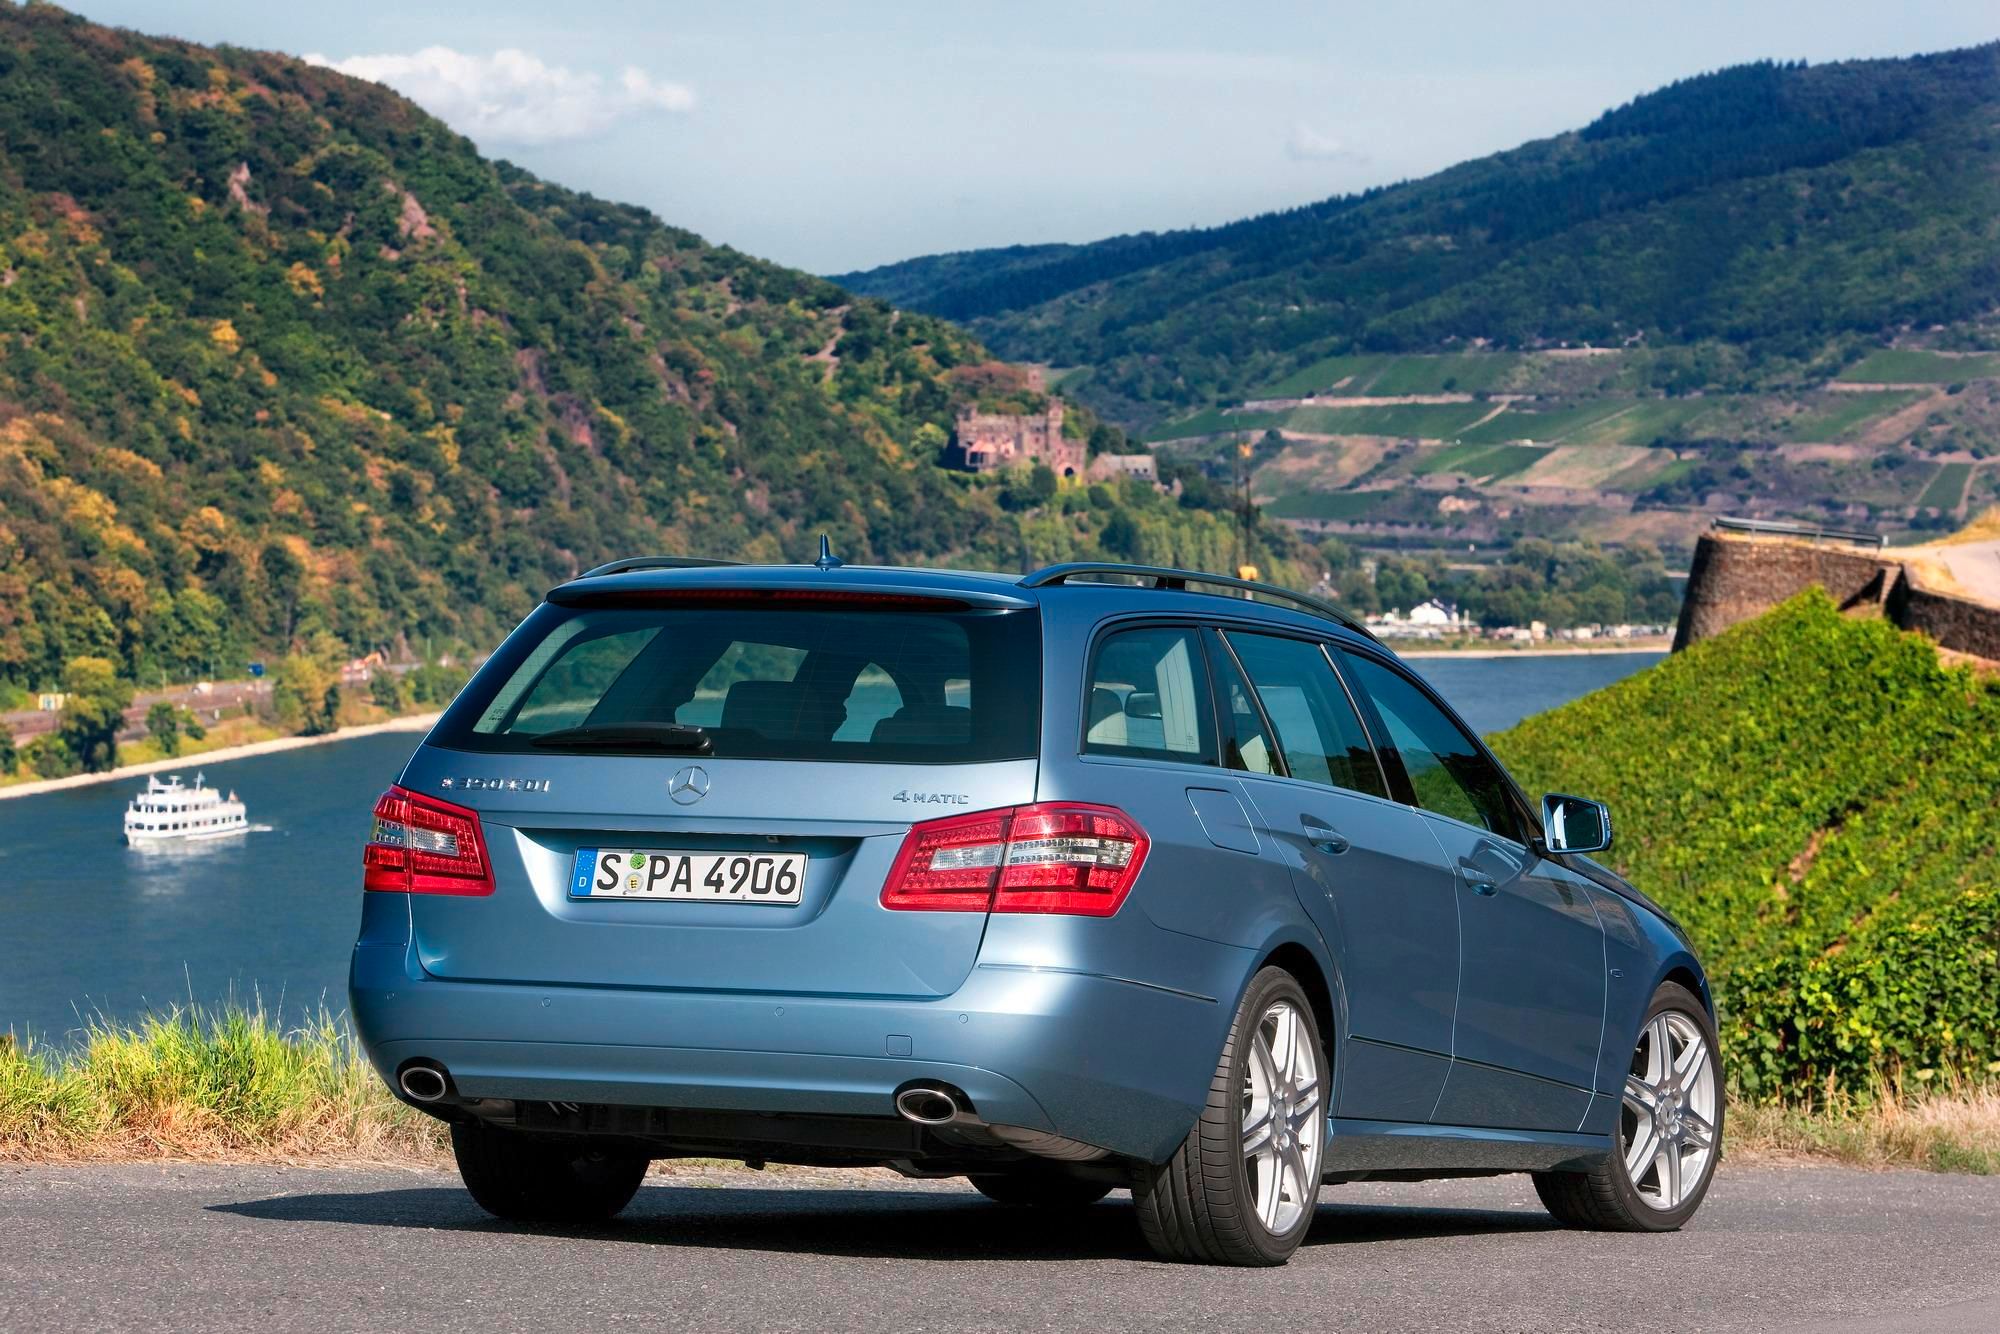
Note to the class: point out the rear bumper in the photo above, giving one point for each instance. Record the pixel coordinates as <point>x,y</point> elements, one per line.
<point>1111,1063</point>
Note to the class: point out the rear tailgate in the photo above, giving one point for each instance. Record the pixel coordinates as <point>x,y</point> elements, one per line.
<point>767,721</point>
<point>848,820</point>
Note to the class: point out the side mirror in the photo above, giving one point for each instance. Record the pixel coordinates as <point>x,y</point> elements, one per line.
<point>1574,824</point>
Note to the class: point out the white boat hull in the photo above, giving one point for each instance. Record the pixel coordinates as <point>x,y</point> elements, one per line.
<point>139,838</point>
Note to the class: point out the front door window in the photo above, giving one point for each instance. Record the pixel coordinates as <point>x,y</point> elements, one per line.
<point>1448,772</point>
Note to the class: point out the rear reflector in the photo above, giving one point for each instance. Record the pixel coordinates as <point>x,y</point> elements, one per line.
<point>1052,857</point>
<point>421,845</point>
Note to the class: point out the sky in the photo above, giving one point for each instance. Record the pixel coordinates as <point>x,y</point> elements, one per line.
<point>835,136</point>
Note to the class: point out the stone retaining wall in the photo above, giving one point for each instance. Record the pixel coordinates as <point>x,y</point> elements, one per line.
<point>1734,578</point>
<point>1955,623</point>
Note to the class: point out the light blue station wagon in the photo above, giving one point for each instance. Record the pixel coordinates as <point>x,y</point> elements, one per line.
<point>1109,877</point>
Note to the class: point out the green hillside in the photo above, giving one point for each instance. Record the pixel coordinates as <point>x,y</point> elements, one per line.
<point>1814,798</point>
<point>1781,207</point>
<point>284,361</point>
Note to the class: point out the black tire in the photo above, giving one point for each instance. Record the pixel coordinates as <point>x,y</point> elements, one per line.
<point>1199,1205</point>
<point>1604,1199</point>
<point>528,1180</point>
<point>1040,1188</point>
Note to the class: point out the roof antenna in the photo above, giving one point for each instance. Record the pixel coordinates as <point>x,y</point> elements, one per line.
<point>827,560</point>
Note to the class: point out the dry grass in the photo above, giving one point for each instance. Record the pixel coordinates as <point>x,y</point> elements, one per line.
<point>1954,1128</point>
<point>193,1084</point>
<point>1983,527</point>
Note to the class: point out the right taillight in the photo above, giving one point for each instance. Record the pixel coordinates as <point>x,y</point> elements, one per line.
<point>1051,857</point>
<point>420,845</point>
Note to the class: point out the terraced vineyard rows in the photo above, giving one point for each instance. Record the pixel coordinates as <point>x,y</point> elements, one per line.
<point>1947,489</point>
<point>1519,433</point>
<point>1909,366</point>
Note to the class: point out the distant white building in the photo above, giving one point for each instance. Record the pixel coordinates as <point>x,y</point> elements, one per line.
<point>1427,620</point>
<point>1435,612</point>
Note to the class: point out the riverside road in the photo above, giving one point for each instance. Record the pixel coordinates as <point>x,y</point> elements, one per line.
<point>207,1246</point>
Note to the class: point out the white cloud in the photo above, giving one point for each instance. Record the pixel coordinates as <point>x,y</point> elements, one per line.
<point>1307,143</point>
<point>512,96</point>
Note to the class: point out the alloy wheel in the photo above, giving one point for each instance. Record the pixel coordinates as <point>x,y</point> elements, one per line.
<point>1667,1135</point>
<point>1283,1126</point>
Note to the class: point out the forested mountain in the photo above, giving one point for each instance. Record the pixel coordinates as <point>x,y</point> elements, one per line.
<point>1775,205</point>
<point>284,361</point>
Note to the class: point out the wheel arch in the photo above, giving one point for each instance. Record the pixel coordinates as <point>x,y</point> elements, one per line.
<point>1684,971</point>
<point>1300,961</point>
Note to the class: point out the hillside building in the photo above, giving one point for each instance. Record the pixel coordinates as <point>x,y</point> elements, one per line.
<point>990,441</point>
<point>1117,467</point>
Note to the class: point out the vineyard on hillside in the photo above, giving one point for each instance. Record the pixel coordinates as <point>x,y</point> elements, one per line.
<point>1814,798</point>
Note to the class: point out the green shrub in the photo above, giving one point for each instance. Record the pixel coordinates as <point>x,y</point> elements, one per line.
<point>1811,795</point>
<point>49,757</point>
<point>1920,1002</point>
<point>163,724</point>
<point>386,689</point>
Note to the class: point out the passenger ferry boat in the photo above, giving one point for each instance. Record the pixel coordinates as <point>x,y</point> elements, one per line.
<point>168,812</point>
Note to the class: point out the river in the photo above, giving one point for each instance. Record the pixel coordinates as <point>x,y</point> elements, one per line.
<point>90,927</point>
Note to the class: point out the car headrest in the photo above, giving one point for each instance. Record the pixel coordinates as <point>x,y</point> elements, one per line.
<point>924,725</point>
<point>1104,704</point>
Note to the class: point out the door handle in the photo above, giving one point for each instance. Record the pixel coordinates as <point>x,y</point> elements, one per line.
<point>1323,836</point>
<point>1478,878</point>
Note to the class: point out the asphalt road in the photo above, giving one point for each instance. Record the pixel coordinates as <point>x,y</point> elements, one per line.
<point>207,1247</point>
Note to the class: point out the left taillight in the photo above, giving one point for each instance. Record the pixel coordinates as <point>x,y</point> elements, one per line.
<point>421,845</point>
<point>1051,857</point>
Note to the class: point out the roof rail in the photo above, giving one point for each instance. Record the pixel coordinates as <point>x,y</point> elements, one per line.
<point>655,563</point>
<point>1164,576</point>
<point>1809,531</point>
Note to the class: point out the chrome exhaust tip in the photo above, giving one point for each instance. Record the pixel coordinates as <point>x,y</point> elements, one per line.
<point>424,1083</point>
<point>928,1105</point>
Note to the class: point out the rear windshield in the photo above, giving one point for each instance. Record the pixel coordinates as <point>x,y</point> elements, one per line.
<point>927,687</point>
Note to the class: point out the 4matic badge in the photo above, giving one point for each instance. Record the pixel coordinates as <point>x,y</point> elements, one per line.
<point>934,798</point>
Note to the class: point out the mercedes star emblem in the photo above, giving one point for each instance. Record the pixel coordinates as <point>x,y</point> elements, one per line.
<point>688,785</point>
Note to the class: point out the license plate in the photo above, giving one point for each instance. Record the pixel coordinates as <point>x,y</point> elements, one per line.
<point>692,877</point>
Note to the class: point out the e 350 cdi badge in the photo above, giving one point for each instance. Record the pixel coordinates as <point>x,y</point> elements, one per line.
<point>1109,877</point>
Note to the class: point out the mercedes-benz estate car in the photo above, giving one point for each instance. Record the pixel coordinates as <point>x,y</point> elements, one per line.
<point>1108,877</point>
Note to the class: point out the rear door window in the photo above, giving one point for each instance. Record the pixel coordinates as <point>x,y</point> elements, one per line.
<point>1448,772</point>
<point>1246,740</point>
<point>836,683</point>
<point>1149,697</point>
<point>1319,732</point>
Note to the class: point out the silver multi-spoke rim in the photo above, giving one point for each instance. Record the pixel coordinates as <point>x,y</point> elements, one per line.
<point>1282,1124</point>
<point>1667,1130</point>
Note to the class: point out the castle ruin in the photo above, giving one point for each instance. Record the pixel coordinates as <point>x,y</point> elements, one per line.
<point>990,441</point>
